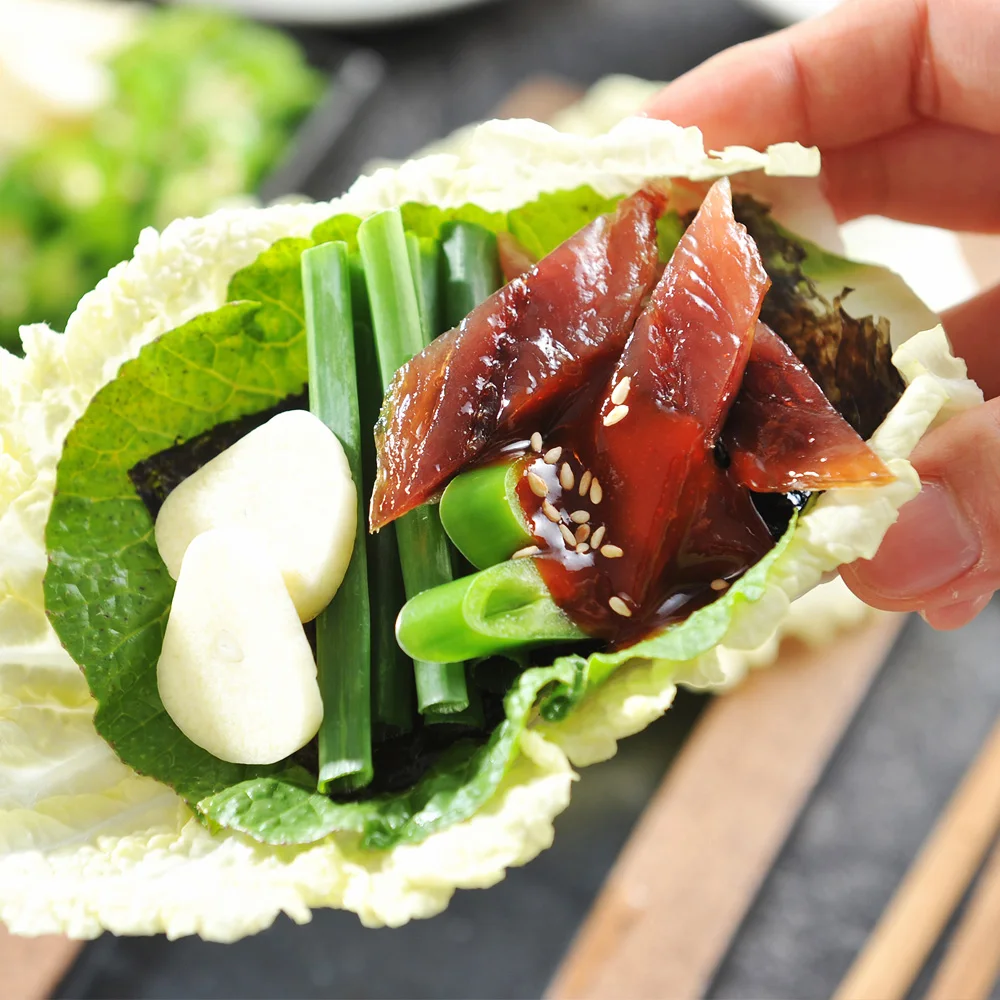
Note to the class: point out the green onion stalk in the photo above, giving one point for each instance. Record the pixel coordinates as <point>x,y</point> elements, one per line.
<point>392,671</point>
<point>343,629</point>
<point>399,335</point>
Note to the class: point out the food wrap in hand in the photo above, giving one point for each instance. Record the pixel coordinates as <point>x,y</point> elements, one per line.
<point>86,844</point>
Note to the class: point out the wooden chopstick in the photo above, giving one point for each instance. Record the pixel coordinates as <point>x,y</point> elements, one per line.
<point>692,867</point>
<point>915,918</point>
<point>31,968</point>
<point>971,965</point>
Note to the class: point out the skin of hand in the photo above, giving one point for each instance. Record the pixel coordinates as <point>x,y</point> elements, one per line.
<point>903,99</point>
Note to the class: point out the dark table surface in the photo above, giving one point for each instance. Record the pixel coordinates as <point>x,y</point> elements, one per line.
<point>929,710</point>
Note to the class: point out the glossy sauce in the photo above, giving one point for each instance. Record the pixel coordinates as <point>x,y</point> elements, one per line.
<point>676,522</point>
<point>641,513</point>
<point>515,356</point>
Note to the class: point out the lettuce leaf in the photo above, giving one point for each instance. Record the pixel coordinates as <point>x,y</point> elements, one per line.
<point>545,223</point>
<point>284,809</point>
<point>107,592</point>
<point>687,640</point>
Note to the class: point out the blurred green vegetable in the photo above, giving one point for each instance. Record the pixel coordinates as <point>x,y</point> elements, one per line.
<point>203,106</point>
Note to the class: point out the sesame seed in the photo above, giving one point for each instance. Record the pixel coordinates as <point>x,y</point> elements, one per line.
<point>553,455</point>
<point>566,479</point>
<point>611,552</point>
<point>567,536</point>
<point>598,537</point>
<point>585,482</point>
<point>620,392</point>
<point>583,548</point>
<point>580,516</point>
<point>617,415</point>
<point>528,550</point>
<point>719,584</point>
<point>583,533</point>
<point>550,512</point>
<point>596,493</point>
<point>619,607</point>
<point>536,441</point>
<point>538,485</point>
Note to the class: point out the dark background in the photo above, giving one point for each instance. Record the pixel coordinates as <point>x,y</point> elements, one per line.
<point>929,710</point>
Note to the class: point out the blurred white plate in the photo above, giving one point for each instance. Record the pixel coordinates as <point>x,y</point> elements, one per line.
<point>790,11</point>
<point>341,12</point>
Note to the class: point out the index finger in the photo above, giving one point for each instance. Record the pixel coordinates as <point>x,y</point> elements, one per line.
<point>868,68</point>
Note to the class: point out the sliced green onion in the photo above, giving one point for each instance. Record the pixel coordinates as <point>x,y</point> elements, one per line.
<point>425,265</point>
<point>423,546</point>
<point>343,650</point>
<point>472,715</point>
<point>482,514</point>
<point>392,670</point>
<point>504,608</point>
<point>471,269</point>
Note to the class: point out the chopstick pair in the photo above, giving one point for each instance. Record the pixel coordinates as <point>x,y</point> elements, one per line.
<point>930,892</point>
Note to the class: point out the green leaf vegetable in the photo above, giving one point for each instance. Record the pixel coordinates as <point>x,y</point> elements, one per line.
<point>343,629</point>
<point>202,106</point>
<point>282,809</point>
<point>107,592</point>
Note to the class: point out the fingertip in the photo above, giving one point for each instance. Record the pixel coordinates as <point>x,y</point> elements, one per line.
<point>930,546</point>
<point>955,616</point>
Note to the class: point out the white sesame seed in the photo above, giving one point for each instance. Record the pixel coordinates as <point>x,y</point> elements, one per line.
<point>611,552</point>
<point>719,584</point>
<point>583,533</point>
<point>598,537</point>
<point>619,607</point>
<point>528,550</point>
<point>596,493</point>
<point>580,516</point>
<point>550,512</point>
<point>583,548</point>
<point>538,485</point>
<point>618,414</point>
<point>585,482</point>
<point>536,441</point>
<point>566,479</point>
<point>620,392</point>
<point>567,536</point>
<point>553,455</point>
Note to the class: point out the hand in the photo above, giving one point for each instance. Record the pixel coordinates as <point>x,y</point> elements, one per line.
<point>903,99</point>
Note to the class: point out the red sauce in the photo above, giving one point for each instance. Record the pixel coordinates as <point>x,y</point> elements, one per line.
<point>638,520</point>
<point>515,356</point>
<point>670,523</point>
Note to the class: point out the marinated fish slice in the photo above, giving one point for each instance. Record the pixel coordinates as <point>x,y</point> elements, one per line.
<point>539,338</point>
<point>784,434</point>
<point>691,343</point>
<point>680,370</point>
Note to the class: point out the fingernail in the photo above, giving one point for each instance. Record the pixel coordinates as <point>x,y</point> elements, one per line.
<point>930,545</point>
<point>953,616</point>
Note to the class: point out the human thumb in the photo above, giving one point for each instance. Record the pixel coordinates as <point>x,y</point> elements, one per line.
<point>942,557</point>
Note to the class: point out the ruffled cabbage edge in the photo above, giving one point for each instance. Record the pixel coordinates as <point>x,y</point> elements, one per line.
<point>85,844</point>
